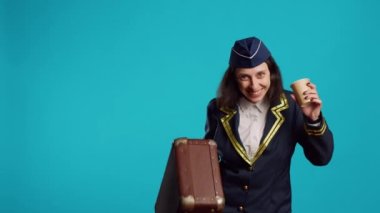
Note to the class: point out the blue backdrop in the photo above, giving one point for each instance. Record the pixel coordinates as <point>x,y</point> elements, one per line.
<point>94,92</point>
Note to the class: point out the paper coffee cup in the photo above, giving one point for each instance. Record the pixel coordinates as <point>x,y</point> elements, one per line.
<point>299,87</point>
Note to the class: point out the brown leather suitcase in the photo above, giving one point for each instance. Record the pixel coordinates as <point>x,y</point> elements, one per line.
<point>192,181</point>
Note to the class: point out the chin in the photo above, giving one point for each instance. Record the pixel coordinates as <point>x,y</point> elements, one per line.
<point>255,100</point>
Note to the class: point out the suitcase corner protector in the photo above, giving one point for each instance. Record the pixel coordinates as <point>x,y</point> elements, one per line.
<point>211,142</point>
<point>220,201</point>
<point>180,141</point>
<point>188,203</point>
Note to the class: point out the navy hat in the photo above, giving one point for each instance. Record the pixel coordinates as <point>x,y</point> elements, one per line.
<point>248,52</point>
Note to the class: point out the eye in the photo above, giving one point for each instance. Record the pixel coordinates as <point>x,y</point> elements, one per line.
<point>243,77</point>
<point>260,75</point>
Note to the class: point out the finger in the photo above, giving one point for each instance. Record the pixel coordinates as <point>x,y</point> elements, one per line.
<point>311,96</point>
<point>316,101</point>
<point>312,86</point>
<point>311,92</point>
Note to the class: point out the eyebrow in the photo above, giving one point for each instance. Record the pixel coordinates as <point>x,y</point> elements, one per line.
<point>243,72</point>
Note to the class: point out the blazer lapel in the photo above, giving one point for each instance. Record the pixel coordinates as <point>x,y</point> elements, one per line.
<point>274,121</point>
<point>230,124</point>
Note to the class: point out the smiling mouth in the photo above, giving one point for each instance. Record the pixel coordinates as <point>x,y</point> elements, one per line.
<point>255,92</point>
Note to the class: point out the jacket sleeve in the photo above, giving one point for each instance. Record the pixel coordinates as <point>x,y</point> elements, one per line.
<point>212,121</point>
<point>317,141</point>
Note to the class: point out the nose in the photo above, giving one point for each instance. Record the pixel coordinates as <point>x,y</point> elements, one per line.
<point>252,83</point>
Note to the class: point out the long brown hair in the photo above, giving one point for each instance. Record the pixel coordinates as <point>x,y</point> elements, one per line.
<point>228,92</point>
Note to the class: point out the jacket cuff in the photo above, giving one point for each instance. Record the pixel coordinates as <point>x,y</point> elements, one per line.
<point>315,128</point>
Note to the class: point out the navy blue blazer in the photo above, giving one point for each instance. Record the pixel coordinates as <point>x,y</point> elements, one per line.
<point>262,184</point>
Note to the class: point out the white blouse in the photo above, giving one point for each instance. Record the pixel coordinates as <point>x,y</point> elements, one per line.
<point>252,123</point>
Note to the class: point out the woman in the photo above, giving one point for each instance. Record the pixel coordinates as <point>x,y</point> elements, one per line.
<point>256,125</point>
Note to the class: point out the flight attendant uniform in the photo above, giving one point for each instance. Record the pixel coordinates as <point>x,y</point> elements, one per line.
<point>256,177</point>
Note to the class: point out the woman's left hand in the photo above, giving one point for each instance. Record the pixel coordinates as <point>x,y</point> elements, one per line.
<point>313,109</point>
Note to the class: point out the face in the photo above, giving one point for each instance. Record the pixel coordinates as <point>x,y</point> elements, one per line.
<point>254,82</point>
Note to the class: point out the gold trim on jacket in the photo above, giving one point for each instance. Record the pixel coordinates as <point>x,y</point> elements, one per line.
<point>316,132</point>
<point>276,110</point>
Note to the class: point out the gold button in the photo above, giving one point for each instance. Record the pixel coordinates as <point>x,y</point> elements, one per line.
<point>241,208</point>
<point>250,168</point>
<point>245,187</point>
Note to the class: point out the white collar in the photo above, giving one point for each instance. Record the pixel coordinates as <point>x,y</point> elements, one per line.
<point>246,105</point>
